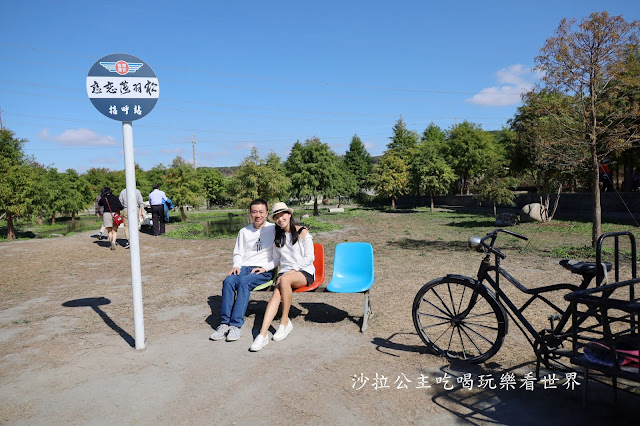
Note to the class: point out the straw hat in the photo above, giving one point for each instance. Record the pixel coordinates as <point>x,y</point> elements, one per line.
<point>279,208</point>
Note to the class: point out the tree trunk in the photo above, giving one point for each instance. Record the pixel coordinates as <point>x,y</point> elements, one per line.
<point>628,172</point>
<point>53,218</point>
<point>73,220</point>
<point>495,210</point>
<point>393,202</point>
<point>183,215</point>
<point>315,206</point>
<point>596,229</point>
<point>11,232</point>
<point>339,201</point>
<point>431,203</point>
<point>39,219</point>
<point>555,205</point>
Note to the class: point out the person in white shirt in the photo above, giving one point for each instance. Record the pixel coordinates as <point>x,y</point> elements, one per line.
<point>293,251</point>
<point>252,265</point>
<point>156,200</point>
<point>125,212</point>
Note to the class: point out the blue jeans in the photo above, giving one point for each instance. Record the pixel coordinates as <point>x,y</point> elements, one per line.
<point>236,290</point>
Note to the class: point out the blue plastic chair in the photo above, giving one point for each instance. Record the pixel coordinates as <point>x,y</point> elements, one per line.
<point>353,272</point>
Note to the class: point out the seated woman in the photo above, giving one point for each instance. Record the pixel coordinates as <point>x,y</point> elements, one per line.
<point>293,251</point>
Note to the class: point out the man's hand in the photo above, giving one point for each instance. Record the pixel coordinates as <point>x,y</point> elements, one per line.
<point>235,271</point>
<point>258,271</point>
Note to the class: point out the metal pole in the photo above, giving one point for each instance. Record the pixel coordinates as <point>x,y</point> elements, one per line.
<point>193,142</point>
<point>134,240</point>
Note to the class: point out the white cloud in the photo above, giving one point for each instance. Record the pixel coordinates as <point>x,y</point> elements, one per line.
<point>78,137</point>
<point>515,80</point>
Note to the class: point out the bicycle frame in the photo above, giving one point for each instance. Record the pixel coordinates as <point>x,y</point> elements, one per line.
<point>546,342</point>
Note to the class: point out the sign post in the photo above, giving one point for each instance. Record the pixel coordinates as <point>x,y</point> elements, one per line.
<point>124,88</point>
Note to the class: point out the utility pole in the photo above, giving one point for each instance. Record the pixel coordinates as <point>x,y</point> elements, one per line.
<point>193,142</point>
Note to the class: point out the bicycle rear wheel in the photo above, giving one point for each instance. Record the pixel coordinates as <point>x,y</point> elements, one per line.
<point>474,337</point>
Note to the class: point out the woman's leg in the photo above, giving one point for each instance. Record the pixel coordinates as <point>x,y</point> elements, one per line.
<point>270,312</point>
<point>288,282</point>
<point>109,235</point>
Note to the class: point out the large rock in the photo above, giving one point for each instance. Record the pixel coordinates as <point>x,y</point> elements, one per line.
<point>336,210</point>
<point>506,219</point>
<point>534,212</point>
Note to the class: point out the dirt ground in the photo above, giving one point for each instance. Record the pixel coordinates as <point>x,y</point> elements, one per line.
<point>67,355</point>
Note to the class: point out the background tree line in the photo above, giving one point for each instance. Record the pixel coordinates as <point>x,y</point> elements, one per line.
<point>586,109</point>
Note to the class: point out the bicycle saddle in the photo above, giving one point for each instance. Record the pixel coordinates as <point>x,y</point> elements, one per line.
<point>582,268</point>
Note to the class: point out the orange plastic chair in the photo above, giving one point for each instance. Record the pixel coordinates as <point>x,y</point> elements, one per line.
<point>318,263</point>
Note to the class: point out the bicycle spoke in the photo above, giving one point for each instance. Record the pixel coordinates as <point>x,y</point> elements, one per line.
<point>478,334</point>
<point>441,301</point>
<point>464,351</point>
<point>438,321</point>
<point>444,320</point>
<point>461,299</point>
<point>441,334</point>
<point>453,304</point>
<point>435,307</point>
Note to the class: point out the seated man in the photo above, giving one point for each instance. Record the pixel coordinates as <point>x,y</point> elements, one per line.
<point>252,265</point>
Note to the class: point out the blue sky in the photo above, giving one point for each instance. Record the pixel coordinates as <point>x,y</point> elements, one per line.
<point>240,74</point>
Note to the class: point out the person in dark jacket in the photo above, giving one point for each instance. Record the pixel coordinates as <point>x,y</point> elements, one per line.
<point>112,205</point>
<point>99,212</point>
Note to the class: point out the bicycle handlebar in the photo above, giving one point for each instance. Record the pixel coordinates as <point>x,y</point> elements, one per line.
<point>475,242</point>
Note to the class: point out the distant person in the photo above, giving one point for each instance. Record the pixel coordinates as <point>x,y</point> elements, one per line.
<point>111,206</point>
<point>635,179</point>
<point>606,178</point>
<point>100,212</point>
<point>293,252</point>
<point>157,199</point>
<point>125,213</point>
<point>252,265</point>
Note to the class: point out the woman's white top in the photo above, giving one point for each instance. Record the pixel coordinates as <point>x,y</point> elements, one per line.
<point>297,257</point>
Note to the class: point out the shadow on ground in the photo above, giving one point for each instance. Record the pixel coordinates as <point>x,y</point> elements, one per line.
<point>95,303</point>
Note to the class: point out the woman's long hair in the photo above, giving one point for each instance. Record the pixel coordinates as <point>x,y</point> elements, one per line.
<point>281,236</point>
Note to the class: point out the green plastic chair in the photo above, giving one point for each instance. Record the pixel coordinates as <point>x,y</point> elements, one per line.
<point>268,284</point>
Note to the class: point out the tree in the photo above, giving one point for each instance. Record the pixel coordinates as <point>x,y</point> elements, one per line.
<point>260,178</point>
<point>432,173</point>
<point>183,185</point>
<point>403,141</point>
<point>434,136</point>
<point>585,61</point>
<point>390,177</point>
<point>496,186</point>
<point>75,194</point>
<point>46,191</point>
<point>213,185</point>
<point>469,150</point>
<point>358,161</point>
<point>314,170</point>
<point>18,180</point>
<point>156,175</point>
<point>347,183</point>
<point>540,148</point>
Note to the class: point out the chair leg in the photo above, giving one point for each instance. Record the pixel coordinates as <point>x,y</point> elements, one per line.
<point>367,312</point>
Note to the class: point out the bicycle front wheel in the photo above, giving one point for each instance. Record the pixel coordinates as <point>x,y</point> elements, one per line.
<point>440,320</point>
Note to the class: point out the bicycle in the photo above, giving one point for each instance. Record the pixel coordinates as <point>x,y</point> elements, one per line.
<point>461,318</point>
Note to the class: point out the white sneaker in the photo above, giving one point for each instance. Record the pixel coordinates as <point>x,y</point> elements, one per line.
<point>283,332</point>
<point>234,333</point>
<point>220,332</point>
<point>259,343</point>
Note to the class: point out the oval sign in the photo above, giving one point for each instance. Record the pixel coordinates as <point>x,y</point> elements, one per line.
<point>122,87</point>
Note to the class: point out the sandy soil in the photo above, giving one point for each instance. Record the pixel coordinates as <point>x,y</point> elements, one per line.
<point>67,356</point>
